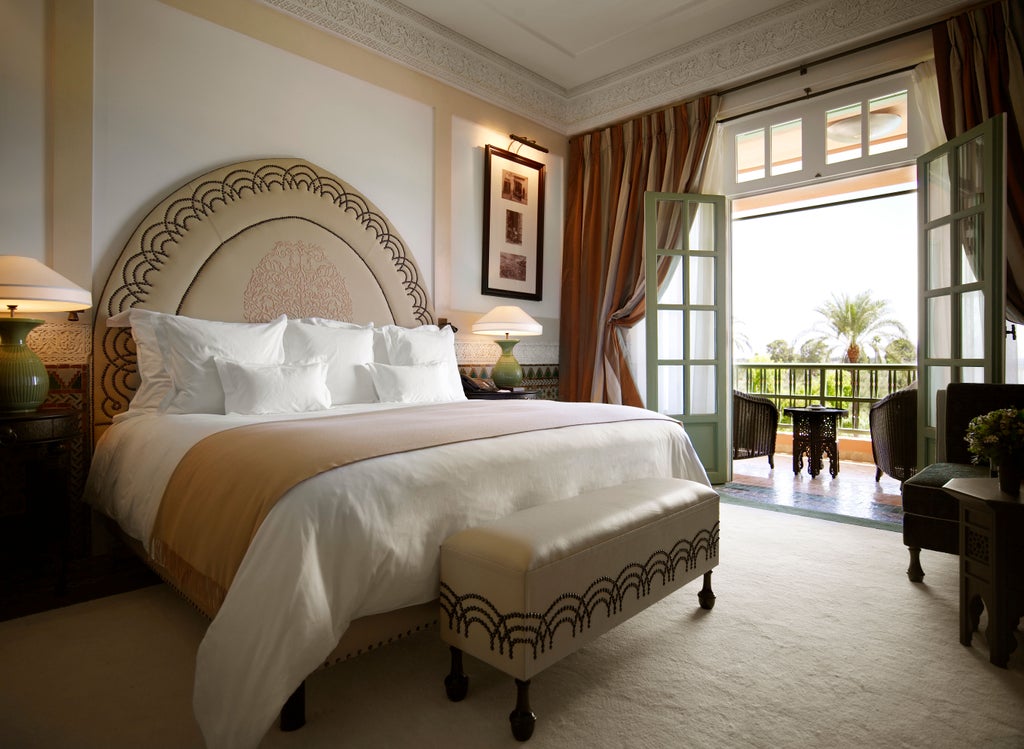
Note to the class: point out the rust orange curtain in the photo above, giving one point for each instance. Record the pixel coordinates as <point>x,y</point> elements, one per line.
<point>980,74</point>
<point>602,256</point>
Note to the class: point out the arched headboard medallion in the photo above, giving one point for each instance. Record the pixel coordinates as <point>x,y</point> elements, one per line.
<point>248,242</point>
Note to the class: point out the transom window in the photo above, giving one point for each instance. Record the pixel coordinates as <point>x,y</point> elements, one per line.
<point>851,130</point>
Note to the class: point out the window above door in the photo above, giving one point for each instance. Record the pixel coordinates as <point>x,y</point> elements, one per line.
<point>856,129</point>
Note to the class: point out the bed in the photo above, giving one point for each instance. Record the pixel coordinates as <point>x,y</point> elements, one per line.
<point>267,315</point>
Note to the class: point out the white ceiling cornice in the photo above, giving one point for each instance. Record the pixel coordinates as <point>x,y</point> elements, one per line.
<point>798,31</point>
<point>407,37</point>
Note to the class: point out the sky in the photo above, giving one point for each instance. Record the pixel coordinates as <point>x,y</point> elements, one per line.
<point>785,266</point>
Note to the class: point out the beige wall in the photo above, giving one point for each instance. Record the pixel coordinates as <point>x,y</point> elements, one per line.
<point>462,125</point>
<point>60,157</point>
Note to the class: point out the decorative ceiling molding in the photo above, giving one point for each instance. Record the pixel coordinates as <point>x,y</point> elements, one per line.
<point>800,30</point>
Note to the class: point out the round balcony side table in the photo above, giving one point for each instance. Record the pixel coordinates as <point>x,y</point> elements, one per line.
<point>814,432</point>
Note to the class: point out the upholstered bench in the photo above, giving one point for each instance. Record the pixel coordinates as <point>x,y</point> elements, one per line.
<point>528,589</point>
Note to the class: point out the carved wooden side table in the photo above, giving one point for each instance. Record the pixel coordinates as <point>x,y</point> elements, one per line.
<point>815,433</point>
<point>991,563</point>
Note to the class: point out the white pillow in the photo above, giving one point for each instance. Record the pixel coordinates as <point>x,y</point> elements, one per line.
<point>329,323</point>
<point>426,345</point>
<point>381,335</point>
<point>189,347</point>
<point>154,380</point>
<point>273,388</point>
<point>412,383</point>
<point>345,349</point>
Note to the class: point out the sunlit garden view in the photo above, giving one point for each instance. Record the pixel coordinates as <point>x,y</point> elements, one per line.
<point>827,284</point>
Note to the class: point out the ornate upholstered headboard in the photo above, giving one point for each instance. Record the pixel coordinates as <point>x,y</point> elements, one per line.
<point>247,243</point>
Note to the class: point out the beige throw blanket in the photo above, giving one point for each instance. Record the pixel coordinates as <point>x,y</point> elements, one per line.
<point>226,484</point>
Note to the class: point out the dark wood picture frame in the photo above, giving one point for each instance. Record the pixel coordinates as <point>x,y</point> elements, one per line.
<point>513,251</point>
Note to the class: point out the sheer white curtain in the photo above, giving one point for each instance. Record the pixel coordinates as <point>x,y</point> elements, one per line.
<point>925,98</point>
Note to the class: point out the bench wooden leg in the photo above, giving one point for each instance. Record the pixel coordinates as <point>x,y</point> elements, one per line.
<point>293,714</point>
<point>706,596</point>
<point>522,718</point>
<point>456,683</point>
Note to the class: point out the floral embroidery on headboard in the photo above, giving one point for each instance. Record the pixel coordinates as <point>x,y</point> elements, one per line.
<point>296,279</point>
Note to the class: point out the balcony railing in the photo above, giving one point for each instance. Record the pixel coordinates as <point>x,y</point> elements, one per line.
<point>851,386</point>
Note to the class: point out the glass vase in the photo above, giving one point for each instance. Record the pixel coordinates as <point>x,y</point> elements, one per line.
<point>1010,474</point>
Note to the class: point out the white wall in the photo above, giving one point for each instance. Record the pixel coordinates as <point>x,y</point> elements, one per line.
<point>176,96</point>
<point>468,142</point>
<point>23,129</point>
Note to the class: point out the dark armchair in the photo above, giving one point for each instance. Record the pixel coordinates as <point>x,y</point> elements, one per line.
<point>893,422</point>
<point>931,517</point>
<point>755,420</point>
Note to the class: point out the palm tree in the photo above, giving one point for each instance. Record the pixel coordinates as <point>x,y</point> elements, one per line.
<point>853,320</point>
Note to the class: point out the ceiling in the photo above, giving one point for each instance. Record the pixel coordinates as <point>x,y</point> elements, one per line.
<point>574,65</point>
<point>573,43</point>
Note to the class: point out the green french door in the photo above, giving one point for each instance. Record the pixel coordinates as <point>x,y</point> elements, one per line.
<point>688,351</point>
<point>961,291</point>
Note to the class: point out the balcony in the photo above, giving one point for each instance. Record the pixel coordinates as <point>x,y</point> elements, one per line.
<point>854,493</point>
<point>851,386</point>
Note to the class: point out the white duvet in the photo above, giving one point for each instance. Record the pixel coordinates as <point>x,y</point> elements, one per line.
<point>354,541</point>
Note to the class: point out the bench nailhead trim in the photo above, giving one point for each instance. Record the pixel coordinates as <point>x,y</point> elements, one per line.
<point>537,631</point>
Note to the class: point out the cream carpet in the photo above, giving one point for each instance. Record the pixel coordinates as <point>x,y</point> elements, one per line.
<point>817,640</point>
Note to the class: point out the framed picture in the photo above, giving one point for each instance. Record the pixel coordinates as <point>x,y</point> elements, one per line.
<point>513,225</point>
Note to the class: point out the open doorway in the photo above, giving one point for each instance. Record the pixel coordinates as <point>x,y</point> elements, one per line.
<point>795,251</point>
<point>798,253</point>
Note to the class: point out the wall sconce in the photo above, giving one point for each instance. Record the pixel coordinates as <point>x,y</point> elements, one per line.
<point>27,285</point>
<point>507,320</point>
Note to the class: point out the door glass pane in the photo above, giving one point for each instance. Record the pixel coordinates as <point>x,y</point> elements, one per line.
<point>972,374</point>
<point>670,389</point>
<point>670,334</point>
<point>787,147</point>
<point>750,155</point>
<point>971,185</point>
<point>843,134</point>
<point>702,226</point>
<point>670,291</point>
<point>671,226</point>
<point>971,246</point>
<point>939,276</point>
<point>938,379</point>
<point>702,390</point>
<point>972,325</point>
<point>702,334</point>
<point>887,123</point>
<point>939,328</point>
<point>938,187</point>
<point>702,280</point>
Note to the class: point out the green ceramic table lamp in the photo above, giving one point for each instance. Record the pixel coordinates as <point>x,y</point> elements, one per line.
<point>507,320</point>
<point>27,285</point>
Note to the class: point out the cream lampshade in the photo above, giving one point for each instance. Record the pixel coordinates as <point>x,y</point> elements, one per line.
<point>27,285</point>
<point>507,320</point>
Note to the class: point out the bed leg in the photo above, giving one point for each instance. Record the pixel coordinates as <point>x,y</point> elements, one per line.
<point>456,683</point>
<point>522,718</point>
<point>706,596</point>
<point>293,714</point>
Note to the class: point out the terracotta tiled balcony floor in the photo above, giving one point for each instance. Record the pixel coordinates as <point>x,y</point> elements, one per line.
<point>852,494</point>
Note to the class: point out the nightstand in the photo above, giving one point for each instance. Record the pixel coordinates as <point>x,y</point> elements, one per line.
<point>34,488</point>
<point>506,395</point>
<point>991,560</point>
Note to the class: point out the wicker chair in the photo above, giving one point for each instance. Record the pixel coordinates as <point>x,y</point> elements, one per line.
<point>755,420</point>
<point>893,422</point>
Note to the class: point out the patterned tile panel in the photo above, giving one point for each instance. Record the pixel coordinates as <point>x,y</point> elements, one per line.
<point>540,377</point>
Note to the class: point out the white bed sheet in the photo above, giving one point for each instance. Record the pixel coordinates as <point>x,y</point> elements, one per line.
<point>354,541</point>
